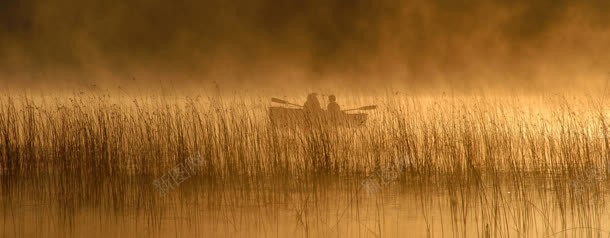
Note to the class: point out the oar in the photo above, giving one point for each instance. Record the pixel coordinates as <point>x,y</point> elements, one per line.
<point>371,107</point>
<point>277,100</point>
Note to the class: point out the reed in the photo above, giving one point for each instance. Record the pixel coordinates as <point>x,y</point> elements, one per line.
<point>469,148</point>
<point>106,136</point>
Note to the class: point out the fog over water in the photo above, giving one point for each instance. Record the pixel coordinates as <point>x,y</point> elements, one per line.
<point>185,118</point>
<point>535,45</point>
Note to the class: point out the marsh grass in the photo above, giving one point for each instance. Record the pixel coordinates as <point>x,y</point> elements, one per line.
<point>100,135</point>
<point>472,150</point>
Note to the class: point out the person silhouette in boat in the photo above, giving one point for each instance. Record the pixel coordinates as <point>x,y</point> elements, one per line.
<point>333,107</point>
<point>334,110</point>
<point>312,105</point>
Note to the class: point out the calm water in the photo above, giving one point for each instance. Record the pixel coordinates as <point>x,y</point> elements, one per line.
<point>319,206</point>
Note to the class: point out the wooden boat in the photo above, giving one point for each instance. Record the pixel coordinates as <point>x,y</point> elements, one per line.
<point>295,117</point>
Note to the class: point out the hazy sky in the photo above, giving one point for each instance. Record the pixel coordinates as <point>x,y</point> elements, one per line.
<point>538,42</point>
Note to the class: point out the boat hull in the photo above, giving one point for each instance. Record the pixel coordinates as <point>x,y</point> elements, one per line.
<point>291,117</point>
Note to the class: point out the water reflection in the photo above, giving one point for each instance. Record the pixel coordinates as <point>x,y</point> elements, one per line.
<point>491,205</point>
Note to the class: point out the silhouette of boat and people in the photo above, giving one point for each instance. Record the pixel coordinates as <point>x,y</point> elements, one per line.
<point>311,114</point>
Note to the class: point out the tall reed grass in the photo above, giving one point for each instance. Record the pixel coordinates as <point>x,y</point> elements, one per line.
<point>95,150</point>
<point>108,136</point>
